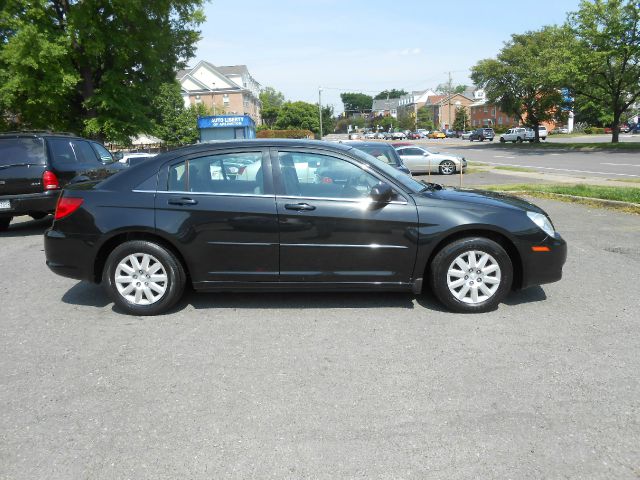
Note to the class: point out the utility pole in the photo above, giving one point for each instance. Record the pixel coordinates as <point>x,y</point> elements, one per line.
<point>320,109</point>
<point>450,88</point>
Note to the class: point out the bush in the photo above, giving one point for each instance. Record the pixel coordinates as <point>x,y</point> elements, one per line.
<point>285,134</point>
<point>588,130</point>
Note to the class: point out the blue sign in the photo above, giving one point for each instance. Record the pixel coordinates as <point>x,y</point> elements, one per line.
<point>225,121</point>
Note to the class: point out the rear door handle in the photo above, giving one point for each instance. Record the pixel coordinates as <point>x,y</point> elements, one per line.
<point>182,201</point>
<point>299,206</point>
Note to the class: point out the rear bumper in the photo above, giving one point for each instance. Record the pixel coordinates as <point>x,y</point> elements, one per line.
<point>32,202</point>
<point>545,267</point>
<point>69,256</point>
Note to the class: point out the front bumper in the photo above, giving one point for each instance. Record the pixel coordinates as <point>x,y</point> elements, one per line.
<point>33,202</point>
<point>544,266</point>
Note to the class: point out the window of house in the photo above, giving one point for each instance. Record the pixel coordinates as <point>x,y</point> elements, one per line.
<point>486,109</point>
<point>225,98</point>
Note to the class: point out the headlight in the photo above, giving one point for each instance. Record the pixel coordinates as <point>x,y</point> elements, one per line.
<point>543,222</point>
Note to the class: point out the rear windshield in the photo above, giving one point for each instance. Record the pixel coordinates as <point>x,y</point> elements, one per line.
<point>23,150</point>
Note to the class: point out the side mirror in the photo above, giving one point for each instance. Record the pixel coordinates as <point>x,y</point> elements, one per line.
<point>381,193</point>
<point>425,154</point>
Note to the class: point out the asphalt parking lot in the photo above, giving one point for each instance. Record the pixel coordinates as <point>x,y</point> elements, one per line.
<point>326,385</point>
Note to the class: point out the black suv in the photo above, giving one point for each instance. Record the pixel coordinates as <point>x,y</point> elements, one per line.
<point>34,167</point>
<point>482,134</point>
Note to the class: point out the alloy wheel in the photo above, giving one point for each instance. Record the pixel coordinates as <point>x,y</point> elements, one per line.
<point>141,279</point>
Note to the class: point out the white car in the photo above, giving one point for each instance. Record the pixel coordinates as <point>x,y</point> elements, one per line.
<point>370,136</point>
<point>421,160</point>
<point>131,157</point>
<point>518,134</point>
<point>398,136</point>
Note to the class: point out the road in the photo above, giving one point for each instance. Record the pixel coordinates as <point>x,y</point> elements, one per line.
<point>326,386</point>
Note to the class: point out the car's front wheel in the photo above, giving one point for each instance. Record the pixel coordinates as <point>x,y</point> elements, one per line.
<point>143,278</point>
<point>471,275</point>
<point>447,167</point>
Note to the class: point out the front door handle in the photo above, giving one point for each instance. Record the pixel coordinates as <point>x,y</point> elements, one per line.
<point>182,201</point>
<point>299,206</point>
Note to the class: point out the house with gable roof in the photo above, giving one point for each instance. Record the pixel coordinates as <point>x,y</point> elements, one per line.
<point>222,89</point>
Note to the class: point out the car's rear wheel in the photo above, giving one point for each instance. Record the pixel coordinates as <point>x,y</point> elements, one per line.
<point>447,167</point>
<point>519,139</point>
<point>4,223</point>
<point>143,278</point>
<point>502,140</point>
<point>471,275</point>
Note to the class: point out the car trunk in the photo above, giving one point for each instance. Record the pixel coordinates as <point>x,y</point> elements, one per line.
<point>22,163</point>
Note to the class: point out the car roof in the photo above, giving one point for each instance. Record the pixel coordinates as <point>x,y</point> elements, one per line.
<point>41,134</point>
<point>357,144</point>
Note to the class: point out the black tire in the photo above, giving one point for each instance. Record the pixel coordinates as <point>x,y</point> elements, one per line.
<point>491,139</point>
<point>439,268</point>
<point>447,167</point>
<point>481,139</point>
<point>38,215</point>
<point>502,140</point>
<point>4,223</point>
<point>519,139</point>
<point>174,286</point>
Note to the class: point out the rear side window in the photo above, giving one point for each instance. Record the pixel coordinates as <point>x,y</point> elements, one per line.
<point>103,153</point>
<point>84,152</point>
<point>22,150</point>
<point>234,173</point>
<point>381,153</point>
<point>62,155</point>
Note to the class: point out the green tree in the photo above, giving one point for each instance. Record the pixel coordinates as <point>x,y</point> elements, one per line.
<point>406,120</point>
<point>602,57</point>
<point>271,100</point>
<point>92,66</point>
<point>298,115</point>
<point>520,80</point>
<point>461,121</point>
<point>393,93</point>
<point>425,118</point>
<point>328,122</point>
<point>356,102</point>
<point>174,123</point>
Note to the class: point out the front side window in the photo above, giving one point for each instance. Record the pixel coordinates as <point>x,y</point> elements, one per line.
<point>232,173</point>
<point>322,176</point>
<point>411,151</point>
<point>103,153</point>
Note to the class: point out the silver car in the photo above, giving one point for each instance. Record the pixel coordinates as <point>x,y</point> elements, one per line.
<point>421,160</point>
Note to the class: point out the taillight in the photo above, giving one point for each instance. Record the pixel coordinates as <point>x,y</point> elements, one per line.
<point>50,181</point>
<point>66,206</point>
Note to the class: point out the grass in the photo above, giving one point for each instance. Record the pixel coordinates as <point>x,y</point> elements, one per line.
<point>628,146</point>
<point>514,169</point>
<point>586,192</point>
<point>628,180</point>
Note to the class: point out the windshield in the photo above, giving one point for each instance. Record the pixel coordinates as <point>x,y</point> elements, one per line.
<point>22,150</point>
<point>408,182</point>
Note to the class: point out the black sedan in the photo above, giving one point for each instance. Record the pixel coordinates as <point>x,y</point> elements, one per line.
<point>296,215</point>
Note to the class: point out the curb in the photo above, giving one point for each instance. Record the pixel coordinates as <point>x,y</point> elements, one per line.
<point>612,203</point>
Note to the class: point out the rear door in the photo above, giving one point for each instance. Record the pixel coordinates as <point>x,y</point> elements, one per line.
<point>414,159</point>
<point>220,207</point>
<point>23,160</point>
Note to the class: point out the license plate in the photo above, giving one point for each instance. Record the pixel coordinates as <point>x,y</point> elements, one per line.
<point>5,204</point>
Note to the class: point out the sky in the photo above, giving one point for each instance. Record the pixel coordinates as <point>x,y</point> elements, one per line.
<point>298,46</point>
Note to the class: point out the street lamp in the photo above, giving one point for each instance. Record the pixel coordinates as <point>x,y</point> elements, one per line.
<point>320,109</point>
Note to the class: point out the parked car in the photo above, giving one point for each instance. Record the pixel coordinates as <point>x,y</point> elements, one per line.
<point>420,160</point>
<point>398,136</point>
<point>414,136</point>
<point>354,136</point>
<point>436,134</point>
<point>558,130</point>
<point>369,136</point>
<point>149,230</point>
<point>423,132</point>
<point>379,136</point>
<point>35,166</point>
<point>542,132</point>
<point>133,158</point>
<point>482,134</point>
<point>381,151</point>
<point>450,133</point>
<point>517,134</point>
<point>624,128</point>
<point>466,135</point>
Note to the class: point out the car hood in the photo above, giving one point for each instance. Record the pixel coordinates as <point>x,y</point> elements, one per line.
<point>478,197</point>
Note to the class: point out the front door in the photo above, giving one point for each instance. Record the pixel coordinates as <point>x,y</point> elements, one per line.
<point>331,232</point>
<point>221,208</point>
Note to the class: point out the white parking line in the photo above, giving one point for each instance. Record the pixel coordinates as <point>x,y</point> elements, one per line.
<point>561,169</point>
<point>502,156</point>
<point>622,164</point>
